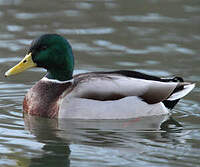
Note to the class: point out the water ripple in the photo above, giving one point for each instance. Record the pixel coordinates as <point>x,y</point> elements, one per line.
<point>151,17</point>
<point>11,45</point>
<point>14,28</point>
<point>10,2</point>
<point>166,48</point>
<point>84,5</point>
<point>190,9</point>
<point>28,16</point>
<point>87,31</point>
<point>117,47</point>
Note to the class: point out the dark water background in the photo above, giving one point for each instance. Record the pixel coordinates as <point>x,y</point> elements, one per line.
<point>157,37</point>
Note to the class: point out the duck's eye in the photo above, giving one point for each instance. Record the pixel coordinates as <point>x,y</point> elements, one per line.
<point>43,47</point>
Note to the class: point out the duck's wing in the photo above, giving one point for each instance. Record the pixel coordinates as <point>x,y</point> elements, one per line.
<point>116,85</point>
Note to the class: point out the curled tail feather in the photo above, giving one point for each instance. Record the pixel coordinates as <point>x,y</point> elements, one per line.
<point>182,90</point>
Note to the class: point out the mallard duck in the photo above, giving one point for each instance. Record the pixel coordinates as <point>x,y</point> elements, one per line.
<point>94,95</point>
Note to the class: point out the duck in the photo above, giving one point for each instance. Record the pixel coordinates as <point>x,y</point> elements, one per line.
<point>121,94</point>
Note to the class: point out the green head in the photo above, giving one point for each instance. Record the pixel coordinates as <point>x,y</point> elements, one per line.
<point>52,52</point>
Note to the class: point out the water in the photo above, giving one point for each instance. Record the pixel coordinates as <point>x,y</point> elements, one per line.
<point>151,36</point>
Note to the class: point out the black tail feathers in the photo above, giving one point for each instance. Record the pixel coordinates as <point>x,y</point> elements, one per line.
<point>169,103</point>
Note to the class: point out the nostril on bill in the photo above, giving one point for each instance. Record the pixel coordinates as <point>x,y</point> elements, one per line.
<point>24,61</point>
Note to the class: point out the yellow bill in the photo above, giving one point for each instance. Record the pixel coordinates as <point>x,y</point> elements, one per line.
<point>23,65</point>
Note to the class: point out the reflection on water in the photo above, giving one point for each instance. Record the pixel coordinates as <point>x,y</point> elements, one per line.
<point>129,140</point>
<point>62,137</point>
<point>55,149</point>
<point>155,37</point>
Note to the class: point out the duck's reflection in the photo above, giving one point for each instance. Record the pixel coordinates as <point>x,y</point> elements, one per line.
<point>55,150</point>
<point>57,135</point>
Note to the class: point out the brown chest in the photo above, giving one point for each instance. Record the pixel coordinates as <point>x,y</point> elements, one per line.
<point>43,99</point>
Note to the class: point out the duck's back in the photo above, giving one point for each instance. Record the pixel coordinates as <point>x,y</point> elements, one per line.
<point>117,95</point>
